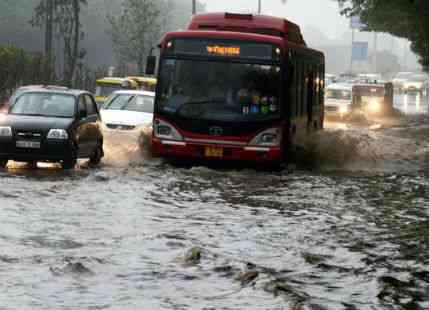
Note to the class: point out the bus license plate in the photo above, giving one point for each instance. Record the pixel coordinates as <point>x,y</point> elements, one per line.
<point>28,144</point>
<point>214,152</point>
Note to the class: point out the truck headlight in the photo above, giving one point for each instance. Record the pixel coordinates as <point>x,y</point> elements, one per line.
<point>5,131</point>
<point>344,109</point>
<point>374,106</point>
<point>58,134</point>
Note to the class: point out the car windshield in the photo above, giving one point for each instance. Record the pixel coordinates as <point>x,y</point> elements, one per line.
<point>106,90</point>
<point>338,94</point>
<point>223,91</point>
<point>130,102</point>
<point>44,104</point>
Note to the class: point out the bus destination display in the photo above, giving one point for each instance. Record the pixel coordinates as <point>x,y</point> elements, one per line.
<point>224,48</point>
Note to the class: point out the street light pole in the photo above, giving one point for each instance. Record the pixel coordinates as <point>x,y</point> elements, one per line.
<point>259,6</point>
<point>194,7</point>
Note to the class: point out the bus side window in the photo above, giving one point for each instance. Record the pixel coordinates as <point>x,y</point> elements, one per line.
<point>292,84</point>
<point>304,90</point>
<point>322,88</point>
<point>299,88</point>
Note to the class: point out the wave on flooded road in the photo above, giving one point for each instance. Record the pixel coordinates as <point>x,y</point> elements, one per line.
<point>131,234</point>
<point>390,146</point>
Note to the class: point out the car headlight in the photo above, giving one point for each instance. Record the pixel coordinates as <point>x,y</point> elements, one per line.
<point>164,130</point>
<point>58,134</point>
<point>270,137</point>
<point>5,131</point>
<point>344,109</point>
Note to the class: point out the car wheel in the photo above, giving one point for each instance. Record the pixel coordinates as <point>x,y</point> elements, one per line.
<point>98,155</point>
<point>3,163</point>
<point>70,162</point>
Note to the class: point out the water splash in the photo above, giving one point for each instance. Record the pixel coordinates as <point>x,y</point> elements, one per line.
<point>124,148</point>
<point>400,145</point>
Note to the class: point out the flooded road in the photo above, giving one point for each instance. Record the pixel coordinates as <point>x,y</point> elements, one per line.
<point>350,232</point>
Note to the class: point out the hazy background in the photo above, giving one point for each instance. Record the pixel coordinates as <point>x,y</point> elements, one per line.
<point>324,28</point>
<point>324,14</point>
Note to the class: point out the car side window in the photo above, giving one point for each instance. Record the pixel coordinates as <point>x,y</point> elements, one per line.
<point>82,105</point>
<point>90,105</point>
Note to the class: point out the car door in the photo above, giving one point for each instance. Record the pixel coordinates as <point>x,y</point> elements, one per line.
<point>82,130</point>
<point>93,125</point>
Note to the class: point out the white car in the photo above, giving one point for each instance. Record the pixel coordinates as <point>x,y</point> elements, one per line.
<point>400,79</point>
<point>415,83</point>
<point>338,99</point>
<point>128,109</point>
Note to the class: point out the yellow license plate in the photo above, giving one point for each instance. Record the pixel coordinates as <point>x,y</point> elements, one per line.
<point>214,152</point>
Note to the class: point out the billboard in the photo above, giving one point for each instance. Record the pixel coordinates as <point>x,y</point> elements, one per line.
<point>360,51</point>
<point>356,23</point>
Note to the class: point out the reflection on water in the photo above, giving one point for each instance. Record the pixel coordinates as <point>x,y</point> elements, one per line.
<point>348,233</point>
<point>412,103</point>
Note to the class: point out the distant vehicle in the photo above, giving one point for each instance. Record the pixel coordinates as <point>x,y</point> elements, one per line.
<point>126,110</point>
<point>400,79</point>
<point>227,90</point>
<point>342,100</point>
<point>370,98</point>
<point>370,78</point>
<point>415,83</point>
<point>338,100</point>
<point>330,78</point>
<point>144,82</point>
<point>51,126</point>
<point>107,85</point>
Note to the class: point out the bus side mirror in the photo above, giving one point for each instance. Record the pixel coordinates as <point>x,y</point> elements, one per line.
<point>150,65</point>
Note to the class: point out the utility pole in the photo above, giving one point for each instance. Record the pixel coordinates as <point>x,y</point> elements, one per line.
<point>375,51</point>
<point>352,52</point>
<point>194,7</point>
<point>259,6</point>
<point>49,20</point>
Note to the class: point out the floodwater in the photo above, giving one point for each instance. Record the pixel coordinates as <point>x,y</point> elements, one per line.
<point>346,226</point>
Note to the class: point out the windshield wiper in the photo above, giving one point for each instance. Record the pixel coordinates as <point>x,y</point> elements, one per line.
<point>202,102</point>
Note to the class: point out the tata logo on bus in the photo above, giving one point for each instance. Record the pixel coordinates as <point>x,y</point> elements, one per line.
<point>224,50</point>
<point>216,131</point>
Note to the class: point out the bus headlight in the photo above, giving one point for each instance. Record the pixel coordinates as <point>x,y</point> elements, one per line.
<point>270,137</point>
<point>164,130</point>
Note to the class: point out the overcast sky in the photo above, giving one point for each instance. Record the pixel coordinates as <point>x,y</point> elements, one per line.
<point>323,14</point>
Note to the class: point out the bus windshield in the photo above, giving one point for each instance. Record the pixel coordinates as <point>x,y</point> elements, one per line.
<point>221,91</point>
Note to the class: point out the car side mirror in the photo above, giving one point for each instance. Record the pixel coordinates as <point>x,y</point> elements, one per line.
<point>150,65</point>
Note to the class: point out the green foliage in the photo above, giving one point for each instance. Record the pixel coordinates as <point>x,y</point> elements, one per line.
<point>19,68</point>
<point>403,18</point>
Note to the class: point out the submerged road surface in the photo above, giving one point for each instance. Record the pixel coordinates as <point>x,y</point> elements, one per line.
<point>350,232</point>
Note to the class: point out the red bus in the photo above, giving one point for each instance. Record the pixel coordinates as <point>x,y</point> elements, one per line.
<point>236,87</point>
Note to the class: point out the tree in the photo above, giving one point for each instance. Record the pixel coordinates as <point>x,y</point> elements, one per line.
<point>136,30</point>
<point>63,15</point>
<point>403,18</point>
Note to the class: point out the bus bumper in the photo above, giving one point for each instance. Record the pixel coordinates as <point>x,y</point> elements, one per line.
<point>173,149</point>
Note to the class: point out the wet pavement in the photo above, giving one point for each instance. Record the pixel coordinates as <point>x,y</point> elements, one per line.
<point>346,228</point>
